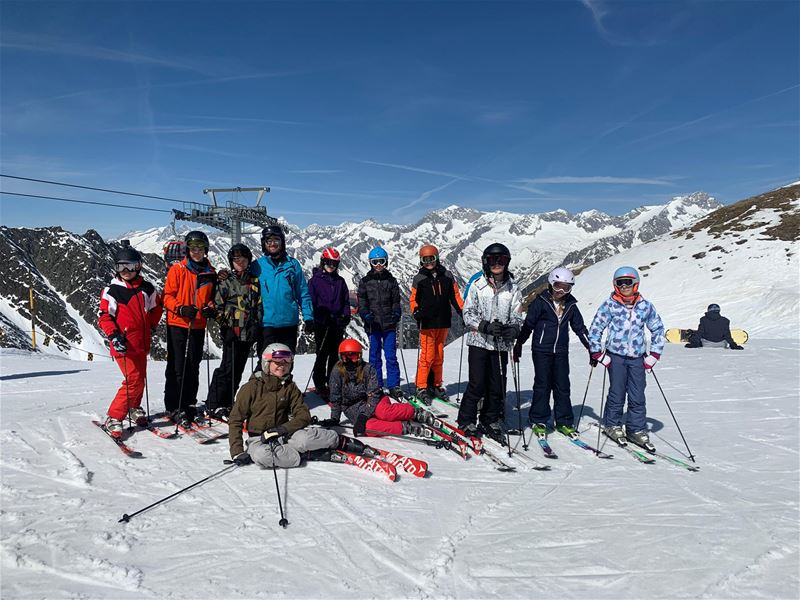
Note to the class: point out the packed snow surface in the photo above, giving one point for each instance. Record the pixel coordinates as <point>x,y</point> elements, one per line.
<point>589,528</point>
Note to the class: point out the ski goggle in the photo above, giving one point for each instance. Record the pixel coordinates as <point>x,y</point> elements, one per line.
<point>350,356</point>
<point>624,282</point>
<point>281,357</point>
<point>377,261</point>
<point>426,260</point>
<point>561,286</point>
<point>130,267</point>
<point>272,241</point>
<point>498,259</point>
<point>196,245</point>
<point>329,262</point>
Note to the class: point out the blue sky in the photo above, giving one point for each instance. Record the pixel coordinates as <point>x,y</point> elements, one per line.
<point>349,110</point>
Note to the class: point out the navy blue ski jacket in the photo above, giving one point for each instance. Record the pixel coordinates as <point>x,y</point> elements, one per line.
<point>549,334</point>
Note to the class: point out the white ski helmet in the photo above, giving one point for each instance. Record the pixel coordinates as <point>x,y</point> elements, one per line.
<point>279,351</point>
<point>562,275</point>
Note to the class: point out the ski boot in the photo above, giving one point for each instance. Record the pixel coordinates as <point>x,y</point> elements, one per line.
<point>471,430</point>
<point>319,454</point>
<point>495,432</point>
<point>616,433</point>
<point>220,414</point>
<point>424,396</point>
<point>416,429</point>
<point>567,430</point>
<point>354,446</point>
<point>138,416</point>
<point>396,392</point>
<point>641,439</point>
<point>539,430</point>
<point>440,392</point>
<point>181,418</point>
<point>113,427</point>
<point>426,418</point>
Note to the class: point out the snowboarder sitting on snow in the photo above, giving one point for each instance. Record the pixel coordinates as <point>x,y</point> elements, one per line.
<point>491,313</point>
<point>626,314</point>
<point>379,307</point>
<point>433,291</point>
<point>714,331</point>
<point>331,301</point>
<point>130,309</point>
<point>547,318</point>
<point>188,298</point>
<point>277,419</point>
<point>355,391</point>
<point>239,316</point>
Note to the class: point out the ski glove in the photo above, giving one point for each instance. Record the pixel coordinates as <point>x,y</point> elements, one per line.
<point>242,459</point>
<point>275,435</point>
<point>516,353</point>
<point>600,357</point>
<point>650,360</point>
<point>117,341</point>
<point>494,329</point>
<point>208,312</point>
<point>328,422</point>
<point>189,312</point>
<point>510,332</point>
<point>308,327</point>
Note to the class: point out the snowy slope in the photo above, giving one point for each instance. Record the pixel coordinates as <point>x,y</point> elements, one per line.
<point>587,529</point>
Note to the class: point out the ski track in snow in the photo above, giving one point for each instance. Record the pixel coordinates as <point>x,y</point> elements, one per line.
<point>589,528</point>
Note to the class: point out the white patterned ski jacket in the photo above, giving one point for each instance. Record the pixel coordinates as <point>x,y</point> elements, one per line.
<point>626,328</point>
<point>484,303</point>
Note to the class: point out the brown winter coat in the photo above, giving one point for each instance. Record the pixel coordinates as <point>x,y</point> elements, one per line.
<point>263,402</point>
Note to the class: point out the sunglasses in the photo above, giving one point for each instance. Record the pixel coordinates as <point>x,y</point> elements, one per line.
<point>377,261</point>
<point>498,259</point>
<point>130,267</point>
<point>426,260</point>
<point>327,262</point>
<point>273,241</point>
<point>624,282</point>
<point>564,287</point>
<point>351,356</point>
<point>196,245</point>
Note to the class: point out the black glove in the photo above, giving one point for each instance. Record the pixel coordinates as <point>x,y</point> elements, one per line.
<point>328,422</point>
<point>275,435</point>
<point>190,312</point>
<point>516,353</point>
<point>208,312</point>
<point>592,361</point>
<point>308,327</point>
<point>417,316</point>
<point>117,341</point>
<point>736,347</point>
<point>242,459</point>
<point>510,332</point>
<point>494,329</point>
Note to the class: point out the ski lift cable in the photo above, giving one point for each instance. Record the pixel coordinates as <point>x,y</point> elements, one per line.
<point>85,202</point>
<point>96,189</point>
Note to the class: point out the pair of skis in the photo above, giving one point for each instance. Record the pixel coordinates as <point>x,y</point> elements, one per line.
<point>646,456</point>
<point>382,462</point>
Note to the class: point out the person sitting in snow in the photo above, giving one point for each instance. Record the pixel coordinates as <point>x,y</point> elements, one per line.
<point>714,331</point>
<point>354,390</point>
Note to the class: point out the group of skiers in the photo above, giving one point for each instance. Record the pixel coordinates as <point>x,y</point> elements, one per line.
<point>260,302</point>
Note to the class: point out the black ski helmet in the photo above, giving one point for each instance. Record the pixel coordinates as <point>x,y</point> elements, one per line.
<point>270,231</point>
<point>241,249</point>
<point>496,249</point>
<point>127,254</point>
<point>194,236</point>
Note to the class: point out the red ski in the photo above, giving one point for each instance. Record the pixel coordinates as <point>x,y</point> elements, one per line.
<point>365,463</point>
<point>412,466</point>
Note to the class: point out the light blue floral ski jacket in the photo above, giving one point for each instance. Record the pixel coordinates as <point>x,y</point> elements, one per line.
<point>626,328</point>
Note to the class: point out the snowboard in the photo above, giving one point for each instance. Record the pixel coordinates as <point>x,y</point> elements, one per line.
<point>681,336</point>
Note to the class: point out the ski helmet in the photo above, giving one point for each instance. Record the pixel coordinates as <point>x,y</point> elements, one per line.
<point>330,254</point>
<point>279,352</point>
<point>174,251</point>
<point>426,251</point>
<point>193,237</point>
<point>713,308</point>
<point>378,253</point>
<point>626,273</point>
<point>272,231</point>
<point>498,250</point>
<point>562,275</point>
<point>242,250</point>
<point>350,345</point>
<point>129,257</point>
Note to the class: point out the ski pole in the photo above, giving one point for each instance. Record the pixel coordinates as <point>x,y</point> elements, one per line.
<point>580,414</point>
<point>319,353</point>
<point>126,517</point>
<point>460,362</point>
<point>183,371</point>
<point>503,391</point>
<point>691,456</point>
<point>208,358</point>
<point>283,522</point>
<point>602,400</point>
<point>402,354</point>
<point>515,374</point>
<point>127,392</point>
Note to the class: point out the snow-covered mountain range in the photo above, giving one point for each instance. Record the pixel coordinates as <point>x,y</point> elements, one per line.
<point>68,270</point>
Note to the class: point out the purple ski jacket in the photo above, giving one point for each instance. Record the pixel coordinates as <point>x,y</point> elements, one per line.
<point>329,297</point>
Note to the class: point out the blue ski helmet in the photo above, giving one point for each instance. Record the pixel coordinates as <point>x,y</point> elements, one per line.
<point>378,252</point>
<point>626,272</point>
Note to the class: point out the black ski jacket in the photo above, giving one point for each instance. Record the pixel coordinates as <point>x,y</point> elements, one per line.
<point>433,292</point>
<point>549,334</point>
<point>379,301</point>
<point>715,328</point>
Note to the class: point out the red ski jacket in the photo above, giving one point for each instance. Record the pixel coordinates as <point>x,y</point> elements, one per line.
<point>132,309</point>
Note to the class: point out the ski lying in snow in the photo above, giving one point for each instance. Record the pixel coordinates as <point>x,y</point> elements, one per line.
<point>202,435</point>
<point>473,442</point>
<point>127,450</point>
<point>581,444</point>
<point>535,464</point>
<point>638,454</point>
<point>154,426</point>
<point>365,463</point>
<point>448,402</point>
<point>412,466</point>
<point>676,461</point>
<point>544,445</point>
